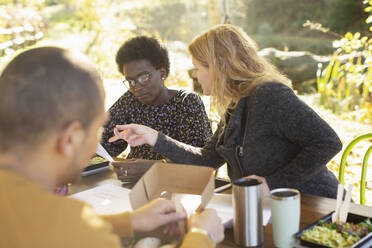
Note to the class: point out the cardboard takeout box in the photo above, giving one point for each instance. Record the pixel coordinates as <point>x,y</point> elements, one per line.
<point>173,178</point>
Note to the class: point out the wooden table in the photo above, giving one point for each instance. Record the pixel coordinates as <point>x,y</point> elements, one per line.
<point>312,207</point>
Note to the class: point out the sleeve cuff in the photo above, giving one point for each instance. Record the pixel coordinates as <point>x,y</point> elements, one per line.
<point>196,239</point>
<point>161,140</point>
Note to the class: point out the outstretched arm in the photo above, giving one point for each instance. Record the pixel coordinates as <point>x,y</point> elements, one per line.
<point>135,134</point>
<point>176,151</point>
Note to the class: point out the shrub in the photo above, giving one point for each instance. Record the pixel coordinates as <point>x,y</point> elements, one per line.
<point>346,83</point>
<point>287,16</point>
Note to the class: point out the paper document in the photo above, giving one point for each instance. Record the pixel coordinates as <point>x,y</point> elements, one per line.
<point>108,199</point>
<point>101,151</point>
<point>222,203</point>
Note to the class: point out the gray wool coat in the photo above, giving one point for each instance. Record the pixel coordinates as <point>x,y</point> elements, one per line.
<point>272,134</point>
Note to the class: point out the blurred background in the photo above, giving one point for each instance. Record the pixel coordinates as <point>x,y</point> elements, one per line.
<point>323,46</point>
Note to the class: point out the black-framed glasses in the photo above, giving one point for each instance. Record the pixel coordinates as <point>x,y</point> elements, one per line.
<point>142,79</point>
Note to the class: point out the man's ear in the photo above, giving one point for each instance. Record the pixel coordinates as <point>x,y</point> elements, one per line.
<point>70,139</point>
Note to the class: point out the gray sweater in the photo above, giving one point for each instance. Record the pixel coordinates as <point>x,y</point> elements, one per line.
<point>272,134</point>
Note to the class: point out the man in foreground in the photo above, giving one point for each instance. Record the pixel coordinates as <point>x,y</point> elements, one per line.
<point>51,108</point>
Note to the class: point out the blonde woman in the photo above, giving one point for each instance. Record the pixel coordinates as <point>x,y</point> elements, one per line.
<point>265,132</point>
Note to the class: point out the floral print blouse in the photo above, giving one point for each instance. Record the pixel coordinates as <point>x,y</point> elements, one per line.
<point>183,118</point>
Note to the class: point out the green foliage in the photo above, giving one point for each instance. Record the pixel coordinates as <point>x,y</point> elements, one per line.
<point>66,16</point>
<point>284,18</point>
<point>89,11</point>
<point>55,2</point>
<point>105,24</point>
<point>22,27</point>
<point>369,10</point>
<point>14,17</point>
<point>287,16</point>
<point>38,4</point>
<point>172,19</point>
<point>343,16</point>
<point>346,84</point>
<point>317,45</point>
<point>6,2</point>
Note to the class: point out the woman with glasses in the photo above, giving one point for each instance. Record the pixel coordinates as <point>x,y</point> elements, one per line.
<point>144,63</point>
<point>266,131</point>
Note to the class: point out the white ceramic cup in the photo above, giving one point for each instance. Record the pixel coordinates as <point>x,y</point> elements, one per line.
<point>285,212</point>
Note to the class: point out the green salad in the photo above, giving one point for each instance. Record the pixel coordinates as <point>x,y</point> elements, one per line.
<point>337,235</point>
<point>96,160</point>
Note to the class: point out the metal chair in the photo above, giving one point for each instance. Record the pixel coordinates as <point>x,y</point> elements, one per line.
<point>364,167</point>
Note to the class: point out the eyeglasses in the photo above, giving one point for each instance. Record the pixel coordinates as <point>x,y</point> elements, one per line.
<point>141,79</point>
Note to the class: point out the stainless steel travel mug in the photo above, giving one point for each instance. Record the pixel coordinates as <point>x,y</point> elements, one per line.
<point>247,204</point>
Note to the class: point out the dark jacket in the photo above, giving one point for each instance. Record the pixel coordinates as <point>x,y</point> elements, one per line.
<point>270,133</point>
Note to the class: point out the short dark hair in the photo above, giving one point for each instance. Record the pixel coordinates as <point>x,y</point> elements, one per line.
<point>41,91</point>
<point>143,47</point>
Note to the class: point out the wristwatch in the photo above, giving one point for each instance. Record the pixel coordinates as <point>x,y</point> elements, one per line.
<point>202,231</point>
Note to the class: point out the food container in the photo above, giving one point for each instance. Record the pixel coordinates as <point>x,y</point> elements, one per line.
<point>129,171</point>
<point>96,164</point>
<point>173,179</point>
<point>365,242</point>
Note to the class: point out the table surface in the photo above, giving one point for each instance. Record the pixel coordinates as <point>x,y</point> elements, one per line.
<point>312,207</point>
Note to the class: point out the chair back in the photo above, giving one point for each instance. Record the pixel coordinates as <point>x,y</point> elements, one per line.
<point>364,166</point>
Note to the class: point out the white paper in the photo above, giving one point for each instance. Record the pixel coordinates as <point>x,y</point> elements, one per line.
<point>109,199</point>
<point>222,203</point>
<point>106,198</point>
<point>101,151</point>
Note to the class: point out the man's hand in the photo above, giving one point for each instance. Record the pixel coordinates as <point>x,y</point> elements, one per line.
<point>209,221</point>
<point>156,213</point>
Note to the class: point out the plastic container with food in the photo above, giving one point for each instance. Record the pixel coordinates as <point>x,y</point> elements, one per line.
<point>356,232</point>
<point>96,164</point>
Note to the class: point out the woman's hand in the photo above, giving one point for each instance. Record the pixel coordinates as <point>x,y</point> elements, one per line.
<point>155,214</point>
<point>135,135</point>
<point>265,186</point>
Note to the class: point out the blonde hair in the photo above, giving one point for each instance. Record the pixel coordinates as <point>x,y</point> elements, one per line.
<point>234,64</point>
